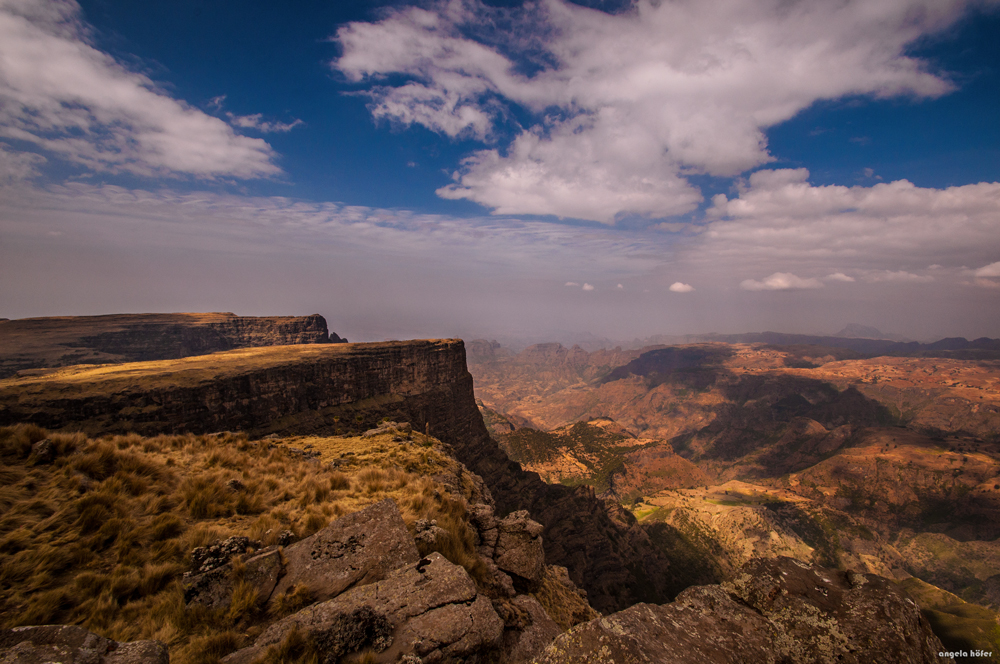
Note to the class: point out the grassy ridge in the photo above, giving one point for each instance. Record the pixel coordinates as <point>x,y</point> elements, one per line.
<point>101,535</point>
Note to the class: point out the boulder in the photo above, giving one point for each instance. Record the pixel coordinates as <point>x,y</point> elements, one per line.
<point>519,550</point>
<point>524,644</point>
<point>774,611</point>
<point>433,607</point>
<point>71,644</point>
<point>44,451</point>
<point>824,615</point>
<point>215,555</point>
<point>214,589</point>
<point>356,549</point>
<point>429,534</point>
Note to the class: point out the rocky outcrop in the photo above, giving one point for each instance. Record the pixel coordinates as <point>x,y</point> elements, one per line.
<point>354,550</point>
<point>774,611</point>
<point>519,551</point>
<point>70,644</point>
<point>31,343</point>
<point>429,609</point>
<point>314,389</point>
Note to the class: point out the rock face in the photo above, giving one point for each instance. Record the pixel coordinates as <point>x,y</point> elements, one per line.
<point>354,550</point>
<point>70,644</point>
<point>429,609</point>
<point>775,611</point>
<point>313,389</point>
<point>31,343</point>
<point>519,550</point>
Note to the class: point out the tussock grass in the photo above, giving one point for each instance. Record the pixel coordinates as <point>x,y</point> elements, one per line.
<point>101,536</point>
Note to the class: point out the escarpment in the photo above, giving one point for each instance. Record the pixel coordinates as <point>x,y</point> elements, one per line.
<point>32,343</point>
<point>330,389</point>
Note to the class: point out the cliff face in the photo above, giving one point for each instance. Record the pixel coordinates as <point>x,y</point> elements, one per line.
<point>62,341</point>
<point>335,388</point>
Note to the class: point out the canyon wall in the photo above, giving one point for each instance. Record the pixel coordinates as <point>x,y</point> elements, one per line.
<point>328,389</point>
<point>30,343</point>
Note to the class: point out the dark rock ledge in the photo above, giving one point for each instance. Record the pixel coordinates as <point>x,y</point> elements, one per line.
<point>776,611</point>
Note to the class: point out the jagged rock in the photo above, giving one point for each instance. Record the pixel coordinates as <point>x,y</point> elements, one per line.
<point>350,632</point>
<point>353,550</point>
<point>775,611</point>
<point>433,605</point>
<point>214,589</point>
<point>44,451</point>
<point>206,558</point>
<point>428,533</point>
<point>825,615</point>
<point>388,427</point>
<point>522,645</point>
<point>519,549</point>
<point>70,644</point>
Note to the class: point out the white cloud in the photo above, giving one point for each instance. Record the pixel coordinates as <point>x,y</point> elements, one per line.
<point>66,97</point>
<point>780,218</point>
<point>588,287</point>
<point>678,287</point>
<point>620,287</point>
<point>991,270</point>
<point>572,283</point>
<point>900,276</point>
<point>626,105</point>
<point>17,166</point>
<point>780,281</point>
<point>255,122</point>
<point>839,276</point>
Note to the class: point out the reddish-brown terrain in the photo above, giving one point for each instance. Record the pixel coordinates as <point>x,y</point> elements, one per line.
<point>726,452</point>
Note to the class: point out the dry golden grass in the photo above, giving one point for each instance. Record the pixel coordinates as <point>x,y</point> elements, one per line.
<point>101,536</point>
<point>563,605</point>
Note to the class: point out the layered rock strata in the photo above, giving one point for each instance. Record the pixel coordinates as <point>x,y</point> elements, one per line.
<point>31,343</point>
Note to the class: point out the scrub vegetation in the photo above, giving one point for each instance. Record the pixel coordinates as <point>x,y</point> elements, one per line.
<point>99,531</point>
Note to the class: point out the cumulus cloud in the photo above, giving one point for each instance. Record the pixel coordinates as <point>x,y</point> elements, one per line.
<point>679,287</point>
<point>893,227</point>
<point>588,287</point>
<point>67,98</point>
<point>620,287</point>
<point>623,106</point>
<point>255,121</point>
<point>839,276</point>
<point>780,281</point>
<point>991,270</point>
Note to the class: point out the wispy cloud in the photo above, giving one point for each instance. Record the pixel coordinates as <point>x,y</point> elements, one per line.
<point>625,105</point>
<point>780,281</point>
<point>839,276</point>
<point>257,122</point>
<point>71,100</point>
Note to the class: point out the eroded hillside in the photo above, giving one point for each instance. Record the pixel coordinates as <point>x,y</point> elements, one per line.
<point>724,453</point>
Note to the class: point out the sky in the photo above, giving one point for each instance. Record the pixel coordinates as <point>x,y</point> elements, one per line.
<point>506,169</point>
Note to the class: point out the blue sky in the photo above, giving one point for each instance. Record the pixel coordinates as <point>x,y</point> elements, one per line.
<point>506,169</point>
